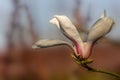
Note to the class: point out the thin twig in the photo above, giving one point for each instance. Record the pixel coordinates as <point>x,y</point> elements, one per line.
<point>84,63</point>
<point>100,71</point>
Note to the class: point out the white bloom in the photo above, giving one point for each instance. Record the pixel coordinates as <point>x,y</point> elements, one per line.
<point>80,48</point>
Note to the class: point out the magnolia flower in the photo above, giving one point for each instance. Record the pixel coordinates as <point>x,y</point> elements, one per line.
<point>81,49</point>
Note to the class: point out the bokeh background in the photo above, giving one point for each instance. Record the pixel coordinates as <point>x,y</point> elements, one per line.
<point>23,22</point>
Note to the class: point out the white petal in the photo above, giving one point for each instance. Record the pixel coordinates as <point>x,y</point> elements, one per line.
<point>50,43</point>
<point>100,28</point>
<point>68,29</point>
<point>66,26</point>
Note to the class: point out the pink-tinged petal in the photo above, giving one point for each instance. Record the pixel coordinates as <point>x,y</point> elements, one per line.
<point>70,31</point>
<point>87,49</point>
<point>100,28</point>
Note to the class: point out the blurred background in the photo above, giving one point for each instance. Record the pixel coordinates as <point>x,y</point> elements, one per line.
<point>23,22</point>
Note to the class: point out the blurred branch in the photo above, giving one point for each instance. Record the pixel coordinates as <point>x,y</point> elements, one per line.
<point>79,19</point>
<point>31,24</point>
<point>16,25</point>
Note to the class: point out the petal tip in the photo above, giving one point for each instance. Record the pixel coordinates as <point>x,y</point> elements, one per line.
<point>54,21</point>
<point>34,46</point>
<point>104,14</point>
<point>60,16</point>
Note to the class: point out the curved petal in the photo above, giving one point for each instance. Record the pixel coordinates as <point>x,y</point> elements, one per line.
<point>69,30</point>
<point>50,43</point>
<point>100,28</point>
